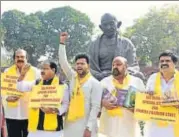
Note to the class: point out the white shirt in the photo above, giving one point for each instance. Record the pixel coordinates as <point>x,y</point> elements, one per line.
<point>151,129</point>
<point>92,93</point>
<point>19,112</point>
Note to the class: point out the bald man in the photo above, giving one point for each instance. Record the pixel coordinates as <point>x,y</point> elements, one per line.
<point>116,119</point>
<point>108,46</point>
<point>16,106</point>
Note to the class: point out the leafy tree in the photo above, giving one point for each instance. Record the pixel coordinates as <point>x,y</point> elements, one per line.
<point>22,31</point>
<point>38,33</point>
<point>2,33</point>
<point>77,24</point>
<point>157,31</point>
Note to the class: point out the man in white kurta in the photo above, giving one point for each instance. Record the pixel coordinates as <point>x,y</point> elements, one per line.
<point>17,116</point>
<point>87,125</point>
<point>124,125</point>
<point>167,63</point>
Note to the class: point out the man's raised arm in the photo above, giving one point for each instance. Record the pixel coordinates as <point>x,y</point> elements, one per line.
<point>67,69</point>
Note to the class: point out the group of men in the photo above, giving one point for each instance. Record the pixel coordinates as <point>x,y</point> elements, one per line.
<point>104,71</point>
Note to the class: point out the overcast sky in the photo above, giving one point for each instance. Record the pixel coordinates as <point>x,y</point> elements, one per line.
<point>126,11</point>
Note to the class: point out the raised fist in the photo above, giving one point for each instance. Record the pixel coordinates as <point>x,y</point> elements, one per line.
<point>63,37</point>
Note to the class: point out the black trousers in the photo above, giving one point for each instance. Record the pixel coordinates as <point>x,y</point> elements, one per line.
<point>17,128</point>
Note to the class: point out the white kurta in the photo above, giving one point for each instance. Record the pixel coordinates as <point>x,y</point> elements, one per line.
<point>151,128</point>
<point>64,107</point>
<point>126,125</point>
<point>92,92</point>
<point>20,112</point>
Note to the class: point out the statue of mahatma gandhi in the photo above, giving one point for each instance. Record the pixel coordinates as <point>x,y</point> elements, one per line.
<point>109,45</point>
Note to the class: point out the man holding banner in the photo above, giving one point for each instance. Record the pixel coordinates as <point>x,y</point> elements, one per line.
<point>117,117</point>
<point>48,102</point>
<point>164,83</point>
<point>15,102</point>
<point>86,93</point>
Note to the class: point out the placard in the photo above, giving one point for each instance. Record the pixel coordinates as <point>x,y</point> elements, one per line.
<point>148,107</point>
<point>46,96</point>
<point>9,85</point>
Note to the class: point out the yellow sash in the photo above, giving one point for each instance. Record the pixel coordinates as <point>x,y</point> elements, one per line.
<point>117,111</point>
<point>30,76</point>
<point>158,91</point>
<point>50,120</point>
<point>77,103</point>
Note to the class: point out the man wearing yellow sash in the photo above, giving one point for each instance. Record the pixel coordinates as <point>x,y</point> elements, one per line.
<point>47,122</point>
<point>16,106</point>
<point>86,93</point>
<point>161,83</point>
<point>117,120</point>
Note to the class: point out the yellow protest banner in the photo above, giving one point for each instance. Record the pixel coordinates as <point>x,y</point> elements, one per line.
<point>148,107</point>
<point>46,96</point>
<point>9,85</point>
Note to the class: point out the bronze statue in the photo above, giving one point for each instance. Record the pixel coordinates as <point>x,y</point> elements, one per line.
<point>109,45</point>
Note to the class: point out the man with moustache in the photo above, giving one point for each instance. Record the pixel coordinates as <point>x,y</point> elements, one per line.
<point>16,106</point>
<point>86,93</point>
<point>45,121</point>
<point>117,121</point>
<point>162,83</point>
